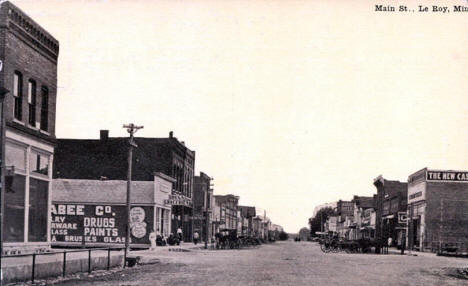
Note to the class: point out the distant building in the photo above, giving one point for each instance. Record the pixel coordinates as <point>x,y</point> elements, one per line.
<point>277,227</point>
<point>228,207</point>
<point>29,55</point>
<point>364,218</point>
<point>391,200</point>
<point>202,197</point>
<point>107,157</point>
<point>247,214</point>
<point>304,234</point>
<point>326,205</point>
<point>344,209</point>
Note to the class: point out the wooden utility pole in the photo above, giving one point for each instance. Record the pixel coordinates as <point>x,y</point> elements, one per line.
<point>131,129</point>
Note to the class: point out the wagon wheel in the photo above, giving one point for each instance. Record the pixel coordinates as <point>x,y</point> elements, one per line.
<point>325,247</point>
<point>335,248</point>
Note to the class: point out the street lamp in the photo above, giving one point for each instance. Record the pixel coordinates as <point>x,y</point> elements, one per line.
<point>3,92</point>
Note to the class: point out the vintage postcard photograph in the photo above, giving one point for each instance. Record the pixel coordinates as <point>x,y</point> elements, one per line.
<point>233,142</point>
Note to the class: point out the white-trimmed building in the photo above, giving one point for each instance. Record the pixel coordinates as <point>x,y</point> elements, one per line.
<point>29,71</point>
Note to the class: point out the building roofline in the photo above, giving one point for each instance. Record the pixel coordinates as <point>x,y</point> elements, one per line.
<point>165,177</point>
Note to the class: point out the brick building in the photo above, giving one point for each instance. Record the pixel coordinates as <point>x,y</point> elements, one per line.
<point>202,197</point>
<point>344,209</point>
<point>247,214</point>
<point>437,210</point>
<point>391,200</point>
<point>29,55</point>
<point>363,220</point>
<point>107,157</point>
<point>228,207</point>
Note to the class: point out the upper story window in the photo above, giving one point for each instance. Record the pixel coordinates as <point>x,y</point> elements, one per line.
<point>45,108</point>
<point>394,205</point>
<point>386,207</point>
<point>32,102</point>
<point>18,95</point>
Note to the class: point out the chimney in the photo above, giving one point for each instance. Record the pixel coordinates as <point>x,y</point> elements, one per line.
<point>104,135</point>
<point>171,134</point>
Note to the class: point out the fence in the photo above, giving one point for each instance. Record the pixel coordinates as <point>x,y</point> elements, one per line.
<point>64,258</point>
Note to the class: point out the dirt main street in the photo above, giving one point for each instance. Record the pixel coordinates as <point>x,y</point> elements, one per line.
<point>286,263</point>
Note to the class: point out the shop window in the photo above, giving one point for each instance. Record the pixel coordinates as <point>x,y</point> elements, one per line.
<point>166,222</point>
<point>15,155</point>
<point>18,94</point>
<point>14,210</point>
<point>32,102</point>
<point>158,224</point>
<point>39,163</point>
<point>38,197</point>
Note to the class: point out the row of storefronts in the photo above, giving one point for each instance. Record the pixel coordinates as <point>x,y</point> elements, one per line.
<point>427,213</point>
<point>72,192</point>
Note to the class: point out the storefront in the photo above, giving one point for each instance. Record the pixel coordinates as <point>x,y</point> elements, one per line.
<point>182,216</point>
<point>26,198</point>
<point>94,213</point>
<point>437,204</point>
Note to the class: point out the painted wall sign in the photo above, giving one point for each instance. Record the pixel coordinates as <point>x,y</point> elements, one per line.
<point>447,176</point>
<point>99,223</point>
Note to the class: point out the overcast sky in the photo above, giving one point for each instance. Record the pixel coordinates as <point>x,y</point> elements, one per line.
<point>288,104</point>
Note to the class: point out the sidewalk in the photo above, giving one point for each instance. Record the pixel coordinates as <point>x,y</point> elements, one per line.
<point>395,251</point>
<point>154,256</point>
<point>16,269</point>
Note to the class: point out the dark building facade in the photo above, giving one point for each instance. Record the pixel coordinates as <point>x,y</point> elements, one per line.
<point>202,197</point>
<point>29,56</point>
<point>107,157</point>
<point>228,207</point>
<point>247,213</point>
<point>391,200</point>
<point>344,209</point>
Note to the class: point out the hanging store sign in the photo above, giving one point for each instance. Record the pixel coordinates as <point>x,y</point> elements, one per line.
<point>402,218</point>
<point>178,200</point>
<point>99,223</point>
<point>452,176</point>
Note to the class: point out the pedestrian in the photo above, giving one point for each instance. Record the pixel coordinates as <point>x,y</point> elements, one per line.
<point>152,238</point>
<point>195,237</point>
<point>179,234</point>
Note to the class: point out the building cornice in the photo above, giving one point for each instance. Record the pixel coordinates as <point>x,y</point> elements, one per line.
<point>27,29</point>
